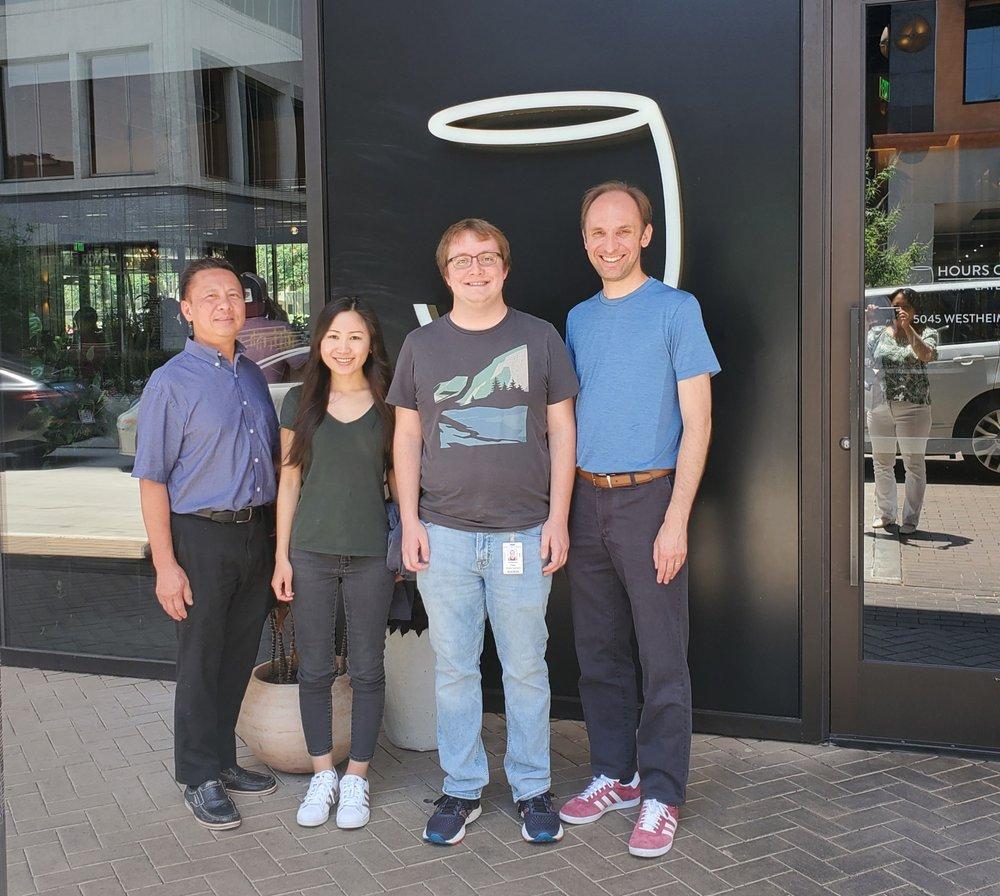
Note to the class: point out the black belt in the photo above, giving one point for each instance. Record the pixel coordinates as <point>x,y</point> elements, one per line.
<point>243,515</point>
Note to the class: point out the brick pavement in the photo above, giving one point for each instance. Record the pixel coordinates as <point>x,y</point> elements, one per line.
<point>958,544</point>
<point>93,811</point>
<point>953,557</point>
<point>934,596</point>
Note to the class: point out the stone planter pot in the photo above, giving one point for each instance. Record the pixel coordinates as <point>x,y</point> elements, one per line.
<point>410,712</point>
<point>271,726</point>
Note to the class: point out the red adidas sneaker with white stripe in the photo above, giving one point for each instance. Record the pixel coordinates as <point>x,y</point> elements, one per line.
<point>654,831</point>
<point>601,795</point>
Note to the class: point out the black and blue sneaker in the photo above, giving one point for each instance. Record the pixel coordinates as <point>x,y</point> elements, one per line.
<point>447,825</point>
<point>541,821</point>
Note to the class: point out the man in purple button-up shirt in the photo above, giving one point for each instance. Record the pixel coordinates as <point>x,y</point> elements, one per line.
<point>205,458</point>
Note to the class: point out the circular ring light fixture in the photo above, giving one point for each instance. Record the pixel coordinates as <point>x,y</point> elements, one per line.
<point>640,112</point>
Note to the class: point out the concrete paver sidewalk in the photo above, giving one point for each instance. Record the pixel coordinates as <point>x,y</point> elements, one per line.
<point>934,596</point>
<point>94,811</point>
<point>951,564</point>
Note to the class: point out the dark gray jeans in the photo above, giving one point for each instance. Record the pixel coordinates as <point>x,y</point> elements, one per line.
<point>613,592</point>
<point>367,586</point>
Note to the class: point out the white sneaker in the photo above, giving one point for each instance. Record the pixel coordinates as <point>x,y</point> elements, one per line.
<point>880,522</point>
<point>320,796</point>
<point>353,811</point>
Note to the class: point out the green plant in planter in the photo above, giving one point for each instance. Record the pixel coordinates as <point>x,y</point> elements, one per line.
<point>78,415</point>
<point>284,662</point>
<point>270,723</point>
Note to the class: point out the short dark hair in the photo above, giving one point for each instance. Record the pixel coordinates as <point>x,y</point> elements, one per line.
<point>203,264</point>
<point>912,297</point>
<point>919,302</point>
<point>483,229</point>
<point>617,186</point>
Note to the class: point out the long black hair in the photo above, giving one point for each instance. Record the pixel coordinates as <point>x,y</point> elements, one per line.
<point>316,381</point>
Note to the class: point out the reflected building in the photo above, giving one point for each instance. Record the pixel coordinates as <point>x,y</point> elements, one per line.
<point>933,89</point>
<point>138,134</point>
<point>135,135</point>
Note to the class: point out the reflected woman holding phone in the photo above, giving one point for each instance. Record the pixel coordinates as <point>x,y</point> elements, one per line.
<point>899,349</point>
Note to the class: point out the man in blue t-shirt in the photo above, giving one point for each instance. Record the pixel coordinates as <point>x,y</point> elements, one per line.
<point>643,424</point>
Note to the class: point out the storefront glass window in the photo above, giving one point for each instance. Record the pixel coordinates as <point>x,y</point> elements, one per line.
<point>175,130</point>
<point>931,408</point>
<point>36,115</point>
<point>214,133</point>
<point>261,134</point>
<point>120,114</point>
<point>982,52</point>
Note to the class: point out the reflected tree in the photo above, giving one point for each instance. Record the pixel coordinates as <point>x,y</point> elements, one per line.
<point>885,263</point>
<point>20,279</point>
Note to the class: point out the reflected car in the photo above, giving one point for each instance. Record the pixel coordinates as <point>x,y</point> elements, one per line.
<point>965,378</point>
<point>128,421</point>
<point>28,406</point>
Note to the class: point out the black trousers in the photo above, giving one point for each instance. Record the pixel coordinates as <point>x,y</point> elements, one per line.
<point>613,593</point>
<point>229,566</point>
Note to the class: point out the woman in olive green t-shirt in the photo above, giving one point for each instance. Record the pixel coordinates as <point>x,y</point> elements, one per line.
<point>336,432</point>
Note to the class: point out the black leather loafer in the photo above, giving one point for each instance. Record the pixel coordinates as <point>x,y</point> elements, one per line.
<point>241,780</point>
<point>212,806</point>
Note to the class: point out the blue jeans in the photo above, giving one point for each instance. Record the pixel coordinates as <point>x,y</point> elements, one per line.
<point>462,585</point>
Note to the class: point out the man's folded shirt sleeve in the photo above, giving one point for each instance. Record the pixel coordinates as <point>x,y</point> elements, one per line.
<point>158,436</point>
<point>688,345</point>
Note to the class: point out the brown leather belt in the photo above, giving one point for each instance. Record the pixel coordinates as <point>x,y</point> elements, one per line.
<point>620,480</point>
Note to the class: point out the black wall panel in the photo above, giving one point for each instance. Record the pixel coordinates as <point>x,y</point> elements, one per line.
<point>726,76</point>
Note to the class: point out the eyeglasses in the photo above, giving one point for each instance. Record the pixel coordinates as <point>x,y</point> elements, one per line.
<point>485,259</point>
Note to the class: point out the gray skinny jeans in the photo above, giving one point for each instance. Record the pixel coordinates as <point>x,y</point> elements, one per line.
<point>367,586</point>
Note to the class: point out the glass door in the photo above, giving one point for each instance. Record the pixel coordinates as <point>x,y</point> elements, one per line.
<point>916,309</point>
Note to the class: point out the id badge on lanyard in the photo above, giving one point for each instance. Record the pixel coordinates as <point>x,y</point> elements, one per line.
<point>513,558</point>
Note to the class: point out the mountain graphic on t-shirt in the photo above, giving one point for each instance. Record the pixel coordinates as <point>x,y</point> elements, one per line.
<point>505,375</point>
<point>449,388</point>
<point>505,371</point>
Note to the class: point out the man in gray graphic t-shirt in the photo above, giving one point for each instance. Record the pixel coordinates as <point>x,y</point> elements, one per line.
<point>483,400</point>
<point>484,460</point>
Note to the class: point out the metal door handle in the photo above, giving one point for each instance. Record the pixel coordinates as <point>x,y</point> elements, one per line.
<point>966,360</point>
<point>851,442</point>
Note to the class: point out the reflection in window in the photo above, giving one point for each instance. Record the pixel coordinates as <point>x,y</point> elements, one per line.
<point>37,119</point>
<point>213,130</point>
<point>88,296</point>
<point>285,268</point>
<point>300,145</point>
<point>261,135</point>
<point>121,130</point>
<point>285,15</point>
<point>982,51</point>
